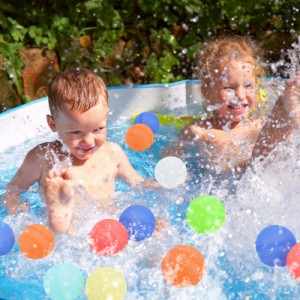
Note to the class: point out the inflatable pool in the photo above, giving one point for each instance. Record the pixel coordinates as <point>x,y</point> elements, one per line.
<point>247,255</point>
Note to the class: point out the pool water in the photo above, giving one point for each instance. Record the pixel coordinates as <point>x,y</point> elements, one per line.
<point>233,269</point>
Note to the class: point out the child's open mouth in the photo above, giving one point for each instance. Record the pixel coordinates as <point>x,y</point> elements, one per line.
<point>85,150</point>
<point>237,108</point>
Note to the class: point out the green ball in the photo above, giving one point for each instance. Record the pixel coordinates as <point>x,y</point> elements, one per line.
<point>205,214</point>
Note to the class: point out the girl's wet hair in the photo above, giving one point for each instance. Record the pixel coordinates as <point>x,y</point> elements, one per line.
<point>78,89</point>
<point>222,51</point>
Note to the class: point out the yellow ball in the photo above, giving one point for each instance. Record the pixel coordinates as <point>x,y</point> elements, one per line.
<point>106,283</point>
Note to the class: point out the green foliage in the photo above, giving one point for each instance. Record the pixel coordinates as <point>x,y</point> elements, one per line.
<point>135,41</point>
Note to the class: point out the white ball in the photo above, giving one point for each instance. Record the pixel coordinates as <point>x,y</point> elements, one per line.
<point>170,172</point>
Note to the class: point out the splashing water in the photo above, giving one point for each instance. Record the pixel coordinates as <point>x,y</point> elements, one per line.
<point>267,194</point>
<point>294,56</point>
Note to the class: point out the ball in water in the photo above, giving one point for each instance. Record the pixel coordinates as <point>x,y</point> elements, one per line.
<point>108,237</point>
<point>139,137</point>
<point>170,172</point>
<point>293,262</point>
<point>139,222</point>
<point>205,214</point>
<point>148,118</point>
<point>63,281</point>
<point>106,283</point>
<point>273,245</point>
<point>7,238</point>
<point>36,241</point>
<point>183,266</point>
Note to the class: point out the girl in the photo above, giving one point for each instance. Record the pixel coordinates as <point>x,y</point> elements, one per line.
<point>229,70</point>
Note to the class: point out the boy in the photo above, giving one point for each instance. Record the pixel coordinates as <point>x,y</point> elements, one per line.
<point>82,156</point>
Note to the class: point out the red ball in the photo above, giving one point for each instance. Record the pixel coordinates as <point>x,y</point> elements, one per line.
<point>293,262</point>
<point>108,237</point>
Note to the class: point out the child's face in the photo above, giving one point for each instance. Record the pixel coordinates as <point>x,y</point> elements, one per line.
<point>82,132</point>
<point>233,92</point>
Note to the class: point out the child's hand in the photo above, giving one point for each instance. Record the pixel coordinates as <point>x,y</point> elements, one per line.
<point>12,202</point>
<point>160,225</point>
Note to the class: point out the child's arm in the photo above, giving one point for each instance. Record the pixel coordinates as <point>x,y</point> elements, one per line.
<point>29,172</point>
<point>284,120</point>
<point>129,174</point>
<point>179,147</point>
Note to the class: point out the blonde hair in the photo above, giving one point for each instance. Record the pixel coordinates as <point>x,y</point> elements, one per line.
<point>222,51</point>
<point>78,88</point>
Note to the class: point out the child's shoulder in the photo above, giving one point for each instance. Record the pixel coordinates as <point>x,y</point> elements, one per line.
<point>112,148</point>
<point>43,150</point>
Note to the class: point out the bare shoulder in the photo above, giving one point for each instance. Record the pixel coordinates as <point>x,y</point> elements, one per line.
<point>115,150</point>
<point>43,153</point>
<point>38,152</point>
<point>113,147</point>
<point>258,122</point>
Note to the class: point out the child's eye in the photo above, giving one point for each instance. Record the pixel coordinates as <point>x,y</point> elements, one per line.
<point>248,84</point>
<point>99,129</point>
<point>76,132</point>
<point>228,88</point>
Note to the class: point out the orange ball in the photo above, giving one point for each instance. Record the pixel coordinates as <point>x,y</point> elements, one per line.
<point>139,137</point>
<point>36,241</point>
<point>293,262</point>
<point>183,266</point>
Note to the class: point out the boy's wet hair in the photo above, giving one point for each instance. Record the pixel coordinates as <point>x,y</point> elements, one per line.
<point>218,53</point>
<point>78,89</point>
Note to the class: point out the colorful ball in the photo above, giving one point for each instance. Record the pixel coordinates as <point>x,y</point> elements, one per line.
<point>139,137</point>
<point>7,238</point>
<point>170,172</point>
<point>148,118</point>
<point>183,266</point>
<point>36,241</point>
<point>273,245</point>
<point>139,222</point>
<point>205,214</point>
<point>63,281</point>
<point>106,283</point>
<point>293,262</point>
<point>108,237</point>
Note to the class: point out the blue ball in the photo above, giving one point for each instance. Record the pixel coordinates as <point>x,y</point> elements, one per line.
<point>273,245</point>
<point>139,222</point>
<point>7,238</point>
<point>148,118</point>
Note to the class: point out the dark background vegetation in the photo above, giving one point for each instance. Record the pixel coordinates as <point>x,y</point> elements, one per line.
<point>129,42</point>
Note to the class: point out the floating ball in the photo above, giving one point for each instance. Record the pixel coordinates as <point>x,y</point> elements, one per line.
<point>148,118</point>
<point>139,137</point>
<point>7,238</point>
<point>36,241</point>
<point>273,245</point>
<point>106,283</point>
<point>139,222</point>
<point>205,214</point>
<point>183,266</point>
<point>63,281</point>
<point>293,262</point>
<point>170,172</point>
<point>108,237</point>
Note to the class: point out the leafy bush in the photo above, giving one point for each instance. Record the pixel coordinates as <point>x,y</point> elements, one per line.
<point>138,41</point>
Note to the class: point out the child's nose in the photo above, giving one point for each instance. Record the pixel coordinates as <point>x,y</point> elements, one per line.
<point>88,139</point>
<point>241,93</point>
